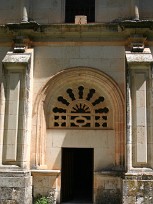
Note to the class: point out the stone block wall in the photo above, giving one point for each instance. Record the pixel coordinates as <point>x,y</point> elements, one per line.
<point>49,60</point>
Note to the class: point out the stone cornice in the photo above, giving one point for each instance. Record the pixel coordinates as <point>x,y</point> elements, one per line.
<point>118,31</point>
<point>136,24</point>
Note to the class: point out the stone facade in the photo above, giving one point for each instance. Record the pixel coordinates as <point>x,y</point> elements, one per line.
<point>76,101</point>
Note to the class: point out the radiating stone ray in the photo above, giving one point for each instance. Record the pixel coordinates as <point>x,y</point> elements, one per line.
<point>71,94</point>
<point>63,100</point>
<point>97,101</point>
<point>90,94</point>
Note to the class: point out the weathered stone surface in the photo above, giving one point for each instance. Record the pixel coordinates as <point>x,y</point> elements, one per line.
<point>108,196</point>
<point>142,57</point>
<point>8,202</point>
<point>138,191</point>
<point>6,193</point>
<point>68,56</point>
<point>16,195</point>
<point>15,189</point>
<point>107,188</point>
<point>16,58</point>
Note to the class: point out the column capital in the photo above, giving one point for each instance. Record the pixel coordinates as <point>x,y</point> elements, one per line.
<point>136,59</point>
<point>12,59</point>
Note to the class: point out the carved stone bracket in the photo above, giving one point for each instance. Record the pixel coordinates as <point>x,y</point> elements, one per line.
<point>21,43</point>
<point>141,58</point>
<point>137,42</point>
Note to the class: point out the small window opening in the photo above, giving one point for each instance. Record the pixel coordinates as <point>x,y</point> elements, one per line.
<point>79,7</point>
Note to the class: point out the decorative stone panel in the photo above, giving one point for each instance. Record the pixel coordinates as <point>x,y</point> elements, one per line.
<point>81,107</point>
<point>139,114</point>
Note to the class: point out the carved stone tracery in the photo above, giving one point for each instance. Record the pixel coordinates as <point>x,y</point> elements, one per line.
<point>79,107</point>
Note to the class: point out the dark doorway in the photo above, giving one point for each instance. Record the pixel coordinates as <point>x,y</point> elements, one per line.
<point>79,7</point>
<point>77,175</point>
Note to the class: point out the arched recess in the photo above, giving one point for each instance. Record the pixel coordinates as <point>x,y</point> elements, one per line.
<point>45,98</point>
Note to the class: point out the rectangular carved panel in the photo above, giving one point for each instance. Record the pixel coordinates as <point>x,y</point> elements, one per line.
<point>140,117</point>
<point>12,112</point>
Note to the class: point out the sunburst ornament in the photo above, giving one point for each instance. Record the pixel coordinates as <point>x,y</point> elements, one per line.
<point>80,108</point>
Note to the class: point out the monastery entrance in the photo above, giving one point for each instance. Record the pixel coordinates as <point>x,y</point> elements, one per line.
<point>80,133</point>
<point>77,175</point>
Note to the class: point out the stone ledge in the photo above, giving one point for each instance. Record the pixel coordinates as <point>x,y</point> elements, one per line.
<point>139,174</point>
<point>9,167</point>
<point>13,171</point>
<point>136,171</point>
<point>109,173</point>
<point>37,172</point>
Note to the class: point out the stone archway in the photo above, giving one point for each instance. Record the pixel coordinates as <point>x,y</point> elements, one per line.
<point>65,78</point>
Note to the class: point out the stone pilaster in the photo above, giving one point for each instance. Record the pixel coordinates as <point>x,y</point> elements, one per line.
<point>138,105</point>
<point>17,121</point>
<point>138,182</point>
<point>15,175</point>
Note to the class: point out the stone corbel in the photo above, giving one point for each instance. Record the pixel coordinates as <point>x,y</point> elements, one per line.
<point>137,43</point>
<point>21,44</point>
<point>139,59</point>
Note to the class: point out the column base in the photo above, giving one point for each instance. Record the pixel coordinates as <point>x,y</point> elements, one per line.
<point>15,187</point>
<point>138,188</point>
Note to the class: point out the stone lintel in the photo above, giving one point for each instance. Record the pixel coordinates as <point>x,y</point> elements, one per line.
<point>14,58</point>
<point>134,58</point>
